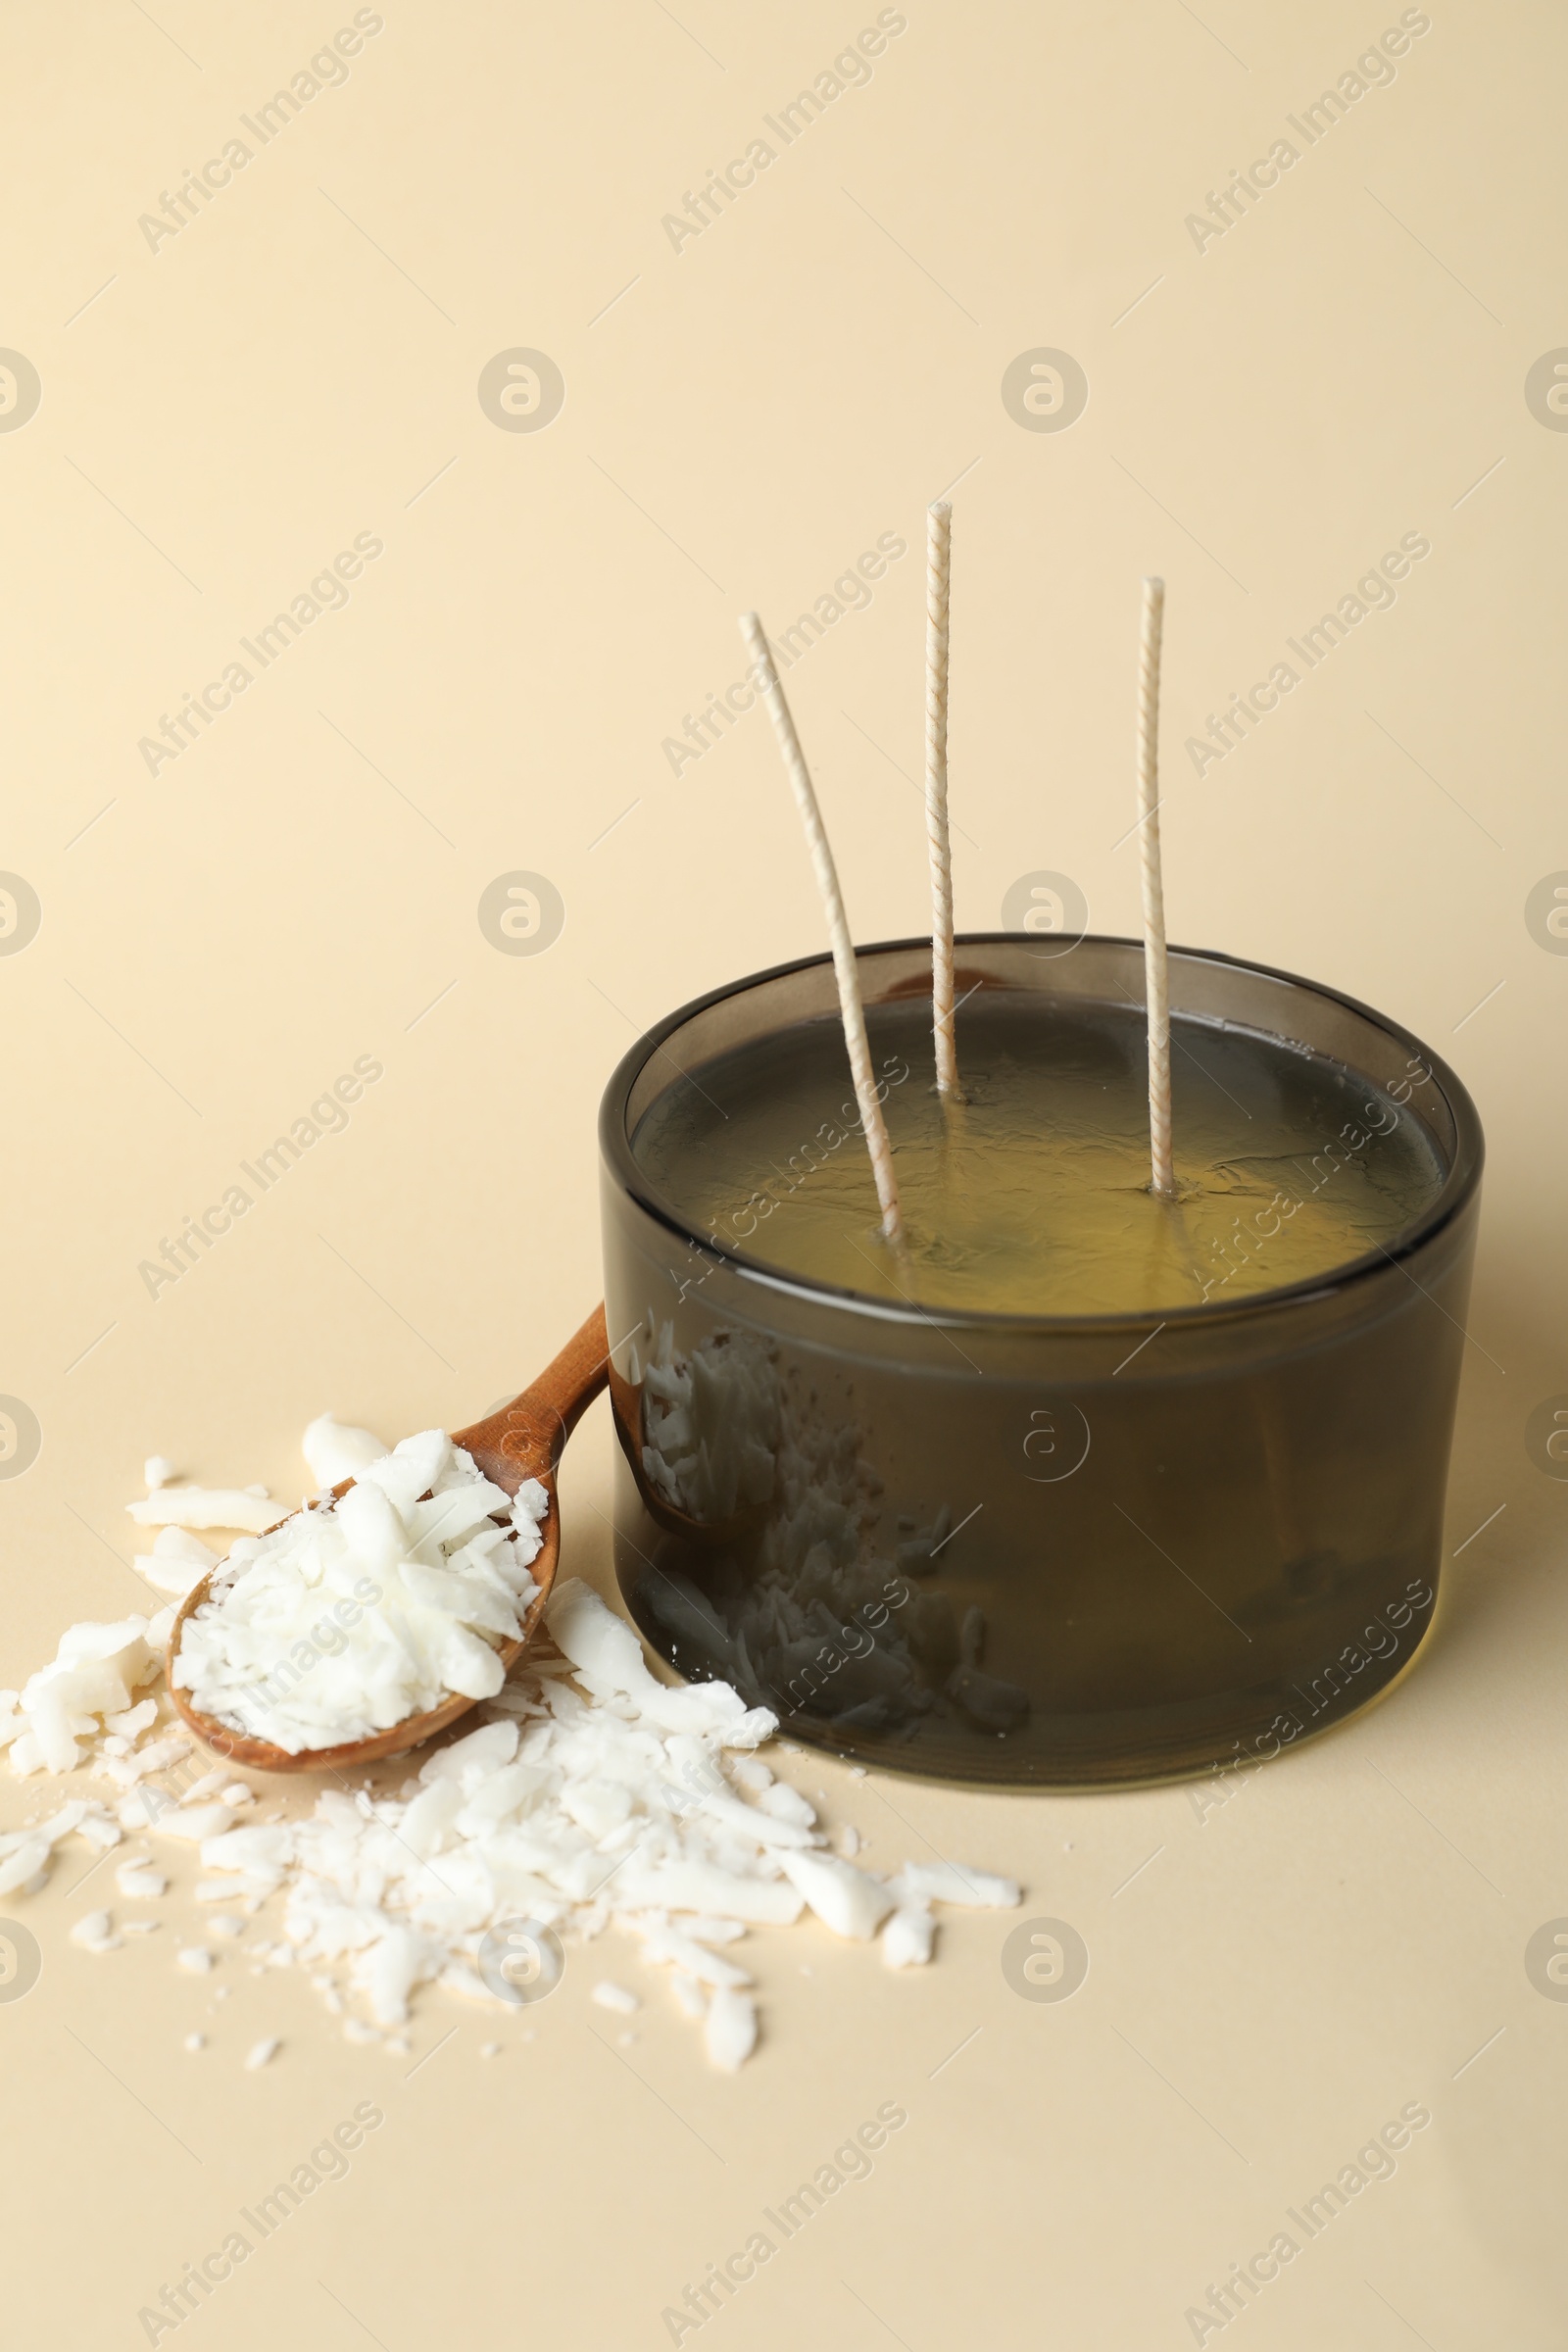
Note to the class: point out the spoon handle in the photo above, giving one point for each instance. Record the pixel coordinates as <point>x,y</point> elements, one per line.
<point>524,1438</point>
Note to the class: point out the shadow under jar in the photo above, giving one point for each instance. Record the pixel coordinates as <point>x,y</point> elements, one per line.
<point>1172,1494</point>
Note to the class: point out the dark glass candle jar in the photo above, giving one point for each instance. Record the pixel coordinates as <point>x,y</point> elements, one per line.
<point>1028,1549</point>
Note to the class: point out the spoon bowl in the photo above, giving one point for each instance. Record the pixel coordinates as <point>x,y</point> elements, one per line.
<point>521,1441</point>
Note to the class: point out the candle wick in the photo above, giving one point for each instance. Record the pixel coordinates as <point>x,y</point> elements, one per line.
<point>938,553</point>
<point>1155,978</point>
<point>851,1011</point>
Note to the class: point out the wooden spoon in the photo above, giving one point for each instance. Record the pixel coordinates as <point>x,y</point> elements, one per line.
<point>523,1440</point>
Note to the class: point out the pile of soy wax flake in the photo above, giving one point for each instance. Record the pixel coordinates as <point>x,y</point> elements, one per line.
<point>590,1795</point>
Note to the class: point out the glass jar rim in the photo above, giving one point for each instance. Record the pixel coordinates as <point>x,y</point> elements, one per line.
<point>1460,1181</point>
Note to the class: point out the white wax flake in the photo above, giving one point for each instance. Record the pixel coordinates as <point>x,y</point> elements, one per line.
<point>137,1720</point>
<point>954,1883</point>
<point>699,1885</point>
<point>155,1757</point>
<point>534,1812</point>
<point>609,1655</point>
<point>23,1864</point>
<point>94,1931</point>
<point>177,1561</point>
<point>208,1784</point>
<point>194,1825</point>
<point>785,1803</point>
<point>690,1994</point>
<point>849,1841</point>
<point>140,1927</point>
<point>25,1854</point>
<point>261,2054</point>
<point>588,1796</point>
<point>335,1449</point>
<point>715,1930</point>
<point>489,2049</point>
<point>848,1900</point>
<point>687,1955</point>
<point>730,2032</point>
<point>142,1880</point>
<point>195,1959</point>
<point>205,1506</point>
<point>156,1471</point>
<point>609,1996</point>
<point>375,1606</point>
<point>907,1937</point>
<point>96,1672</point>
<point>195,2041</point>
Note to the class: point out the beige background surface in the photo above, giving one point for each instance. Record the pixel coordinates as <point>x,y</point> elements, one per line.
<point>220,417</point>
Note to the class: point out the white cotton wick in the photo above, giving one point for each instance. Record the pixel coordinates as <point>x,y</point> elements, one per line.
<point>851,1010</point>
<point>938,552</point>
<point>1155,979</point>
